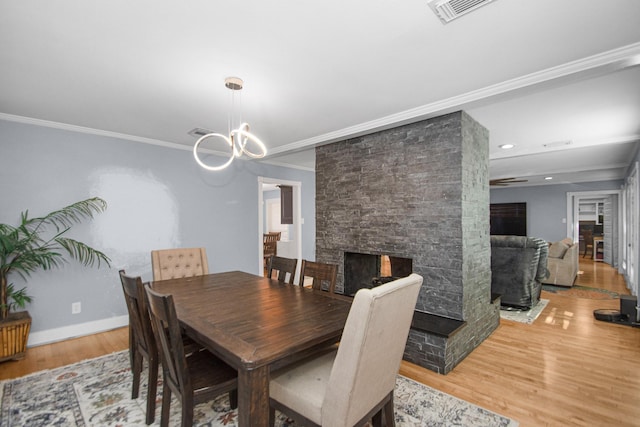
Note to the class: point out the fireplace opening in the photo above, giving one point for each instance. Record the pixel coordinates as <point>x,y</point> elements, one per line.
<point>368,271</point>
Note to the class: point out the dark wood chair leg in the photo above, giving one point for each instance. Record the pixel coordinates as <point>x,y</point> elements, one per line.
<point>152,391</point>
<point>136,367</point>
<point>389,414</point>
<point>376,421</point>
<point>166,404</point>
<point>187,411</point>
<point>233,399</point>
<point>272,416</point>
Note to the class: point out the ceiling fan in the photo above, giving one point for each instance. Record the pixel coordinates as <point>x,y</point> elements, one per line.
<point>503,182</point>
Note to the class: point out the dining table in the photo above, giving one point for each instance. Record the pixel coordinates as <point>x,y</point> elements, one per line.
<point>256,325</point>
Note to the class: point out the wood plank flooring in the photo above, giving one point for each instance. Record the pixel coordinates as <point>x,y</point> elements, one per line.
<point>566,369</point>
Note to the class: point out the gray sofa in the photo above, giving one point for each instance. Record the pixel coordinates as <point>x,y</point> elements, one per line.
<point>518,266</point>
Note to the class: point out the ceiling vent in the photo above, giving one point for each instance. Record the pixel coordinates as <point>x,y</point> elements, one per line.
<point>199,132</point>
<point>448,10</point>
<point>557,144</point>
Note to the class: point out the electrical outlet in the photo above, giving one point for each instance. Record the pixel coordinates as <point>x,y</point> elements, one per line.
<point>76,308</point>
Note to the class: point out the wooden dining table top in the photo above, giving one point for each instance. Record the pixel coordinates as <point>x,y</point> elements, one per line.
<point>256,325</point>
<point>250,320</point>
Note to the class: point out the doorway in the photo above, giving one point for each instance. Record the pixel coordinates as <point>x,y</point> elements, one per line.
<point>290,244</point>
<point>606,208</point>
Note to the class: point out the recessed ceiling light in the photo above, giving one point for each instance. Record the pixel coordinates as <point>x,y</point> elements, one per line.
<point>548,178</point>
<point>506,146</point>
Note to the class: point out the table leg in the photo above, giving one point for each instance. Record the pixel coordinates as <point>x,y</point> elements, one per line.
<point>253,397</point>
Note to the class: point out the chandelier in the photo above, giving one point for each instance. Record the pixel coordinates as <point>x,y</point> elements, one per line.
<point>239,137</point>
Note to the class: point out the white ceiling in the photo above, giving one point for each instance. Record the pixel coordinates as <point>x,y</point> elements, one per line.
<point>532,72</point>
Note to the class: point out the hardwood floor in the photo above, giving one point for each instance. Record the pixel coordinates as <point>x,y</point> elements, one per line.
<point>51,356</point>
<point>566,369</point>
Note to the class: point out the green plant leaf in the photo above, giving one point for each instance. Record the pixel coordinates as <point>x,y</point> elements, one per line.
<point>40,243</point>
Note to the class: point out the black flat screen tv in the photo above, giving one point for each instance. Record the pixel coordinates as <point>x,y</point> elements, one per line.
<point>508,219</point>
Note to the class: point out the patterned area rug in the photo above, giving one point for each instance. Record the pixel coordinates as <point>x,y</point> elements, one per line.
<point>584,292</point>
<point>97,392</point>
<point>524,316</point>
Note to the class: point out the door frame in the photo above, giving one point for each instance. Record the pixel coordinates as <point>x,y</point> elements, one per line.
<point>297,217</point>
<point>573,215</point>
<point>631,244</point>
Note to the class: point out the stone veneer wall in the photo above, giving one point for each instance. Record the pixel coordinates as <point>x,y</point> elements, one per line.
<point>418,191</point>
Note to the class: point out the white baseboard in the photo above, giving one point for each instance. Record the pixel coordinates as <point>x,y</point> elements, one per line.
<point>79,330</point>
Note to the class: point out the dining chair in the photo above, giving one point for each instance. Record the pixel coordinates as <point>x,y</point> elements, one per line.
<point>587,236</point>
<point>179,262</point>
<point>355,383</point>
<point>198,378</point>
<point>142,343</point>
<point>324,275</point>
<point>283,266</point>
<point>270,245</point>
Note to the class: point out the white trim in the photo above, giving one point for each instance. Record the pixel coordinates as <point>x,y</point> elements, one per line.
<point>615,59</point>
<point>619,58</point>
<point>290,166</point>
<point>297,214</point>
<point>573,200</point>
<point>79,330</point>
<point>92,131</point>
<point>106,133</point>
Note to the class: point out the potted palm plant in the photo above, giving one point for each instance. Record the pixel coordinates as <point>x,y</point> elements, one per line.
<point>34,244</point>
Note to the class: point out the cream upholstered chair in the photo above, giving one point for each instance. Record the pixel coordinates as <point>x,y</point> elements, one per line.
<point>348,386</point>
<point>179,262</point>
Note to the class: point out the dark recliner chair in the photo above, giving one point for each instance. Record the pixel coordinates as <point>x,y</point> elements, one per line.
<point>518,266</point>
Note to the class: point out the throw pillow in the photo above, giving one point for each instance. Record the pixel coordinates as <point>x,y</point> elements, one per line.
<point>558,249</point>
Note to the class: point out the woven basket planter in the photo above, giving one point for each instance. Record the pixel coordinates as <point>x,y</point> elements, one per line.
<point>14,333</point>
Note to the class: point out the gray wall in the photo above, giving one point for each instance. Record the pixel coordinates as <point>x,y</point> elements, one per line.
<point>547,205</point>
<point>158,198</point>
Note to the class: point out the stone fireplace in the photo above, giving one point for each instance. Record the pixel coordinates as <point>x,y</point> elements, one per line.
<point>418,192</point>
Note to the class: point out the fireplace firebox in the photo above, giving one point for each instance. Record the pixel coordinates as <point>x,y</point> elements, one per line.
<point>368,271</point>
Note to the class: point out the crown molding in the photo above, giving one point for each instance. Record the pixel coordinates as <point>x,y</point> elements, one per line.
<point>616,59</point>
<point>91,131</point>
<point>288,165</point>
<point>123,136</point>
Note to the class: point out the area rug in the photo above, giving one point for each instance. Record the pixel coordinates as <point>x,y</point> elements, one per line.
<point>524,316</point>
<point>584,292</point>
<point>97,392</point>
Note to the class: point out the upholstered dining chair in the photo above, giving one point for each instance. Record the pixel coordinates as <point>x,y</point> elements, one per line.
<point>282,266</point>
<point>323,275</point>
<point>179,262</point>
<point>350,385</point>
<point>142,343</point>
<point>197,378</point>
